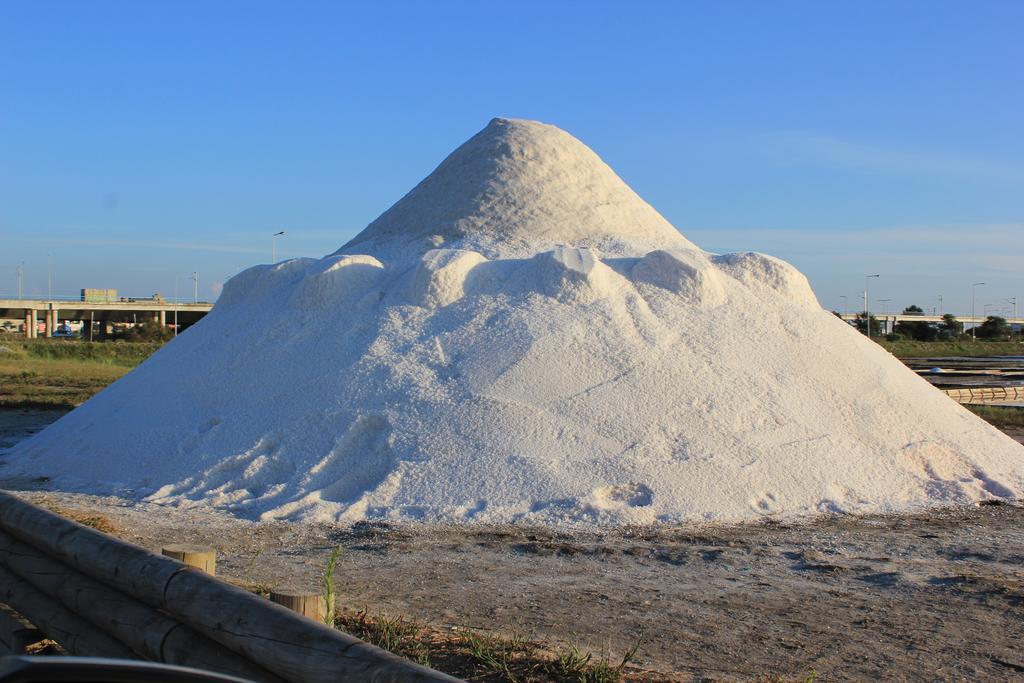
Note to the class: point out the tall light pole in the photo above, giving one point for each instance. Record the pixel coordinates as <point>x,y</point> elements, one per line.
<point>49,278</point>
<point>940,305</point>
<point>885,313</point>
<point>273,246</point>
<point>195,287</point>
<point>974,323</point>
<point>867,311</point>
<point>175,305</point>
<point>1013,300</point>
<point>844,305</point>
<point>21,277</point>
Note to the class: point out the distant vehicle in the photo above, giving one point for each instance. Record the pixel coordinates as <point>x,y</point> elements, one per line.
<point>63,332</point>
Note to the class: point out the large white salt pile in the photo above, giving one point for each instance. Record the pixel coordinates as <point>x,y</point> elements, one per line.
<point>521,337</point>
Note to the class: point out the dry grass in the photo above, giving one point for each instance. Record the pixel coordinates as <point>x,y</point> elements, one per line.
<point>478,656</point>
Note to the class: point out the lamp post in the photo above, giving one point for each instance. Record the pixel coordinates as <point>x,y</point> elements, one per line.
<point>844,305</point>
<point>195,287</point>
<point>21,277</point>
<point>885,313</point>
<point>49,278</point>
<point>974,323</point>
<point>1013,300</point>
<point>175,305</point>
<point>940,305</point>
<point>273,246</point>
<point>867,312</point>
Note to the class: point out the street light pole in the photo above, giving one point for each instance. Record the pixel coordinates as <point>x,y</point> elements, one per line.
<point>940,306</point>
<point>844,305</point>
<point>867,311</point>
<point>49,278</point>
<point>974,323</point>
<point>21,277</point>
<point>175,305</point>
<point>273,246</point>
<point>195,287</point>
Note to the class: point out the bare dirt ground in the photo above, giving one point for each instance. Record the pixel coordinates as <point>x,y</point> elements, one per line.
<point>922,597</point>
<point>931,596</point>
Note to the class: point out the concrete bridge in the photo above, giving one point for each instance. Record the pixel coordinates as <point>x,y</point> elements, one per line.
<point>124,310</point>
<point>888,320</point>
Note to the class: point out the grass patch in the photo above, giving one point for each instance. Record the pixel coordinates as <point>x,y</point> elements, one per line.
<point>62,374</point>
<point>125,354</point>
<point>404,637</point>
<point>917,349</point>
<point>999,416</point>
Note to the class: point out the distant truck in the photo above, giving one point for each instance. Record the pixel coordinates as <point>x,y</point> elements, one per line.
<point>99,296</point>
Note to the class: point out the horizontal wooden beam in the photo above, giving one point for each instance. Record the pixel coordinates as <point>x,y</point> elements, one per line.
<point>271,636</point>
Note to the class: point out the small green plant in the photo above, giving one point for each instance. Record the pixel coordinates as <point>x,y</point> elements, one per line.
<point>251,566</point>
<point>329,593</point>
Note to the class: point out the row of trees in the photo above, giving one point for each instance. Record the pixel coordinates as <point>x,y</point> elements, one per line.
<point>994,328</point>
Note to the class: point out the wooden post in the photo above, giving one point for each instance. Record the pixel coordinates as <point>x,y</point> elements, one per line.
<point>310,605</point>
<point>199,556</point>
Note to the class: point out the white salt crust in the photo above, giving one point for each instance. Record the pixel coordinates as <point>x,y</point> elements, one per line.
<point>522,338</point>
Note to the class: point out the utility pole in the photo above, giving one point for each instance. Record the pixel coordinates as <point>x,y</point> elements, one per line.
<point>885,314</point>
<point>867,312</point>
<point>974,324</point>
<point>273,246</point>
<point>1013,301</point>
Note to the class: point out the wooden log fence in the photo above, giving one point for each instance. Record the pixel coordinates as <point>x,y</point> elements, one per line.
<point>89,589</point>
<point>147,632</point>
<point>985,394</point>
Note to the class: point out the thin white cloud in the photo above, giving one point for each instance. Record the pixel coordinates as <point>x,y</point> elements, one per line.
<point>154,244</point>
<point>1006,238</point>
<point>811,149</point>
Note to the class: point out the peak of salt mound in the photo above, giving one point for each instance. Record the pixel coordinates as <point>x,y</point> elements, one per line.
<point>515,188</point>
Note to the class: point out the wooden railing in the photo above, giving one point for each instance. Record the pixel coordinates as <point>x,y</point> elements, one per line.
<point>985,394</point>
<point>96,595</point>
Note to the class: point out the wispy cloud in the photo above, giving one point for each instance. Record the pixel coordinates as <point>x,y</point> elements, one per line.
<point>811,149</point>
<point>153,244</point>
<point>994,238</point>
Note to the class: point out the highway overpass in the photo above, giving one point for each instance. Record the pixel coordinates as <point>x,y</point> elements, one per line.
<point>888,320</point>
<point>29,311</point>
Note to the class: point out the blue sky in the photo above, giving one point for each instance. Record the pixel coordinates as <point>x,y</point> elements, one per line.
<point>142,141</point>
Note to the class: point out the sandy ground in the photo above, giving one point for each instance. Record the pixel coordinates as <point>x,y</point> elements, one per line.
<point>934,596</point>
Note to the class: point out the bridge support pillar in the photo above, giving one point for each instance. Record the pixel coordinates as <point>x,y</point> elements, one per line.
<point>30,323</point>
<point>49,321</point>
<point>162,317</point>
